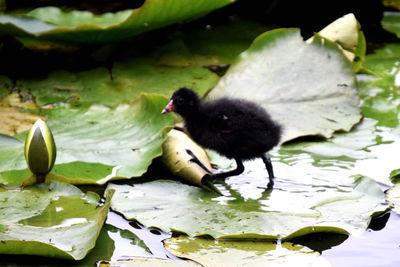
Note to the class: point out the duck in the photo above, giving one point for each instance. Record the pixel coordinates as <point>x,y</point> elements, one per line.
<point>235,128</point>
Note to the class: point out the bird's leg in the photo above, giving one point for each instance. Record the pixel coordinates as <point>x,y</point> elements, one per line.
<point>222,175</point>
<point>268,165</point>
<point>239,169</point>
<point>197,161</point>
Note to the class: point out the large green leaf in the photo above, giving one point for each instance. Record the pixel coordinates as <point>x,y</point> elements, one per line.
<point>150,262</point>
<point>54,24</point>
<point>220,253</point>
<point>126,80</point>
<point>247,211</point>
<point>391,22</point>
<point>54,220</point>
<point>379,88</point>
<point>369,149</point>
<point>308,88</point>
<point>130,77</point>
<point>97,144</point>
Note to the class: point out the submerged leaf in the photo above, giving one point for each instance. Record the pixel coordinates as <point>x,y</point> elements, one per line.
<point>308,88</point>
<point>222,253</point>
<point>150,262</point>
<point>53,220</point>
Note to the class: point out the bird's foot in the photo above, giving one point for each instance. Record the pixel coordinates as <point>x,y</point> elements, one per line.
<point>197,161</point>
<point>270,185</point>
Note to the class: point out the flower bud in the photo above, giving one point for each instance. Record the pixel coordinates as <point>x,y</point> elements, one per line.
<point>40,149</point>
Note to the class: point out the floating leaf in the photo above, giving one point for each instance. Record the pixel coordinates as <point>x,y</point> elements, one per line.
<point>54,24</point>
<point>367,151</point>
<point>395,176</point>
<point>97,144</point>
<point>130,77</point>
<point>391,3</point>
<point>220,253</point>
<point>290,210</point>
<point>308,88</point>
<point>345,32</point>
<point>391,22</point>
<point>380,100</point>
<point>53,220</point>
<point>150,262</point>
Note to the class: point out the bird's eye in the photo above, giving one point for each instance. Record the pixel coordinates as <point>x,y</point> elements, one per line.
<point>178,101</point>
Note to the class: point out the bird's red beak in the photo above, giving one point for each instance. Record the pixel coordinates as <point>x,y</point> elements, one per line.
<point>168,108</point>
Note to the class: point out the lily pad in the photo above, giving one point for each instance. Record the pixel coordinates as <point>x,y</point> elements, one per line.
<point>54,24</point>
<point>346,33</point>
<point>367,151</point>
<point>125,82</point>
<point>290,210</point>
<point>222,253</point>
<point>53,220</point>
<point>97,144</point>
<point>391,22</point>
<point>150,262</point>
<point>308,88</point>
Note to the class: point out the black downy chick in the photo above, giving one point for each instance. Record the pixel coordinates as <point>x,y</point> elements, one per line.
<point>235,128</point>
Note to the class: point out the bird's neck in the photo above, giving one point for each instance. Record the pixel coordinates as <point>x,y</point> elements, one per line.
<point>194,114</point>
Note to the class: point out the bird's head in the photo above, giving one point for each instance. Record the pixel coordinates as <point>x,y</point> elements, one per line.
<point>183,101</point>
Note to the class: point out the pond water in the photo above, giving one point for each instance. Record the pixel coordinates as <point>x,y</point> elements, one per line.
<point>380,247</point>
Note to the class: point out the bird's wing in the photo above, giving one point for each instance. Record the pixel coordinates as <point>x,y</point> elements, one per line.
<point>225,122</point>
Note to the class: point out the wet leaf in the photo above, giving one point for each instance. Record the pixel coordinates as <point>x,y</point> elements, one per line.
<point>369,149</point>
<point>54,24</point>
<point>391,22</point>
<point>309,89</point>
<point>143,262</point>
<point>248,211</point>
<point>97,144</point>
<point>394,176</point>
<point>129,78</point>
<point>53,220</point>
<point>210,252</point>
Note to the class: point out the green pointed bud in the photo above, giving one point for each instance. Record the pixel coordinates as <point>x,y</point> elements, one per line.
<point>40,149</point>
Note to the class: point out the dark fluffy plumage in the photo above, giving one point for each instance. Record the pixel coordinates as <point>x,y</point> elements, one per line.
<point>235,128</point>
